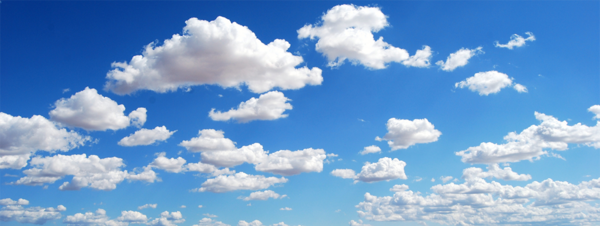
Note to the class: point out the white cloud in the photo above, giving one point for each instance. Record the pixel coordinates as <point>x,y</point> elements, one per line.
<point>258,223</point>
<point>153,206</point>
<point>495,171</point>
<point>147,175</point>
<point>596,110</point>
<point>446,178</point>
<point>432,179</point>
<point>479,202</point>
<point>146,136</point>
<point>268,106</point>
<point>399,187</point>
<point>370,149</point>
<point>289,163</point>
<point>344,173</point>
<point>22,137</point>
<point>357,223</point>
<point>215,52</point>
<point>210,222</point>
<point>173,165</point>
<point>183,206</point>
<point>346,32</point>
<point>209,140</point>
<point>420,59</point>
<point>404,133</point>
<point>530,143</point>
<point>167,219</point>
<point>200,206</point>
<point>91,111</point>
<point>262,195</point>
<point>285,208</point>
<point>132,217</point>
<point>210,215</point>
<point>252,154</point>
<point>516,41</point>
<point>384,169</point>
<point>100,218</point>
<point>239,181</point>
<point>459,59</point>
<point>489,82</point>
<point>13,211</point>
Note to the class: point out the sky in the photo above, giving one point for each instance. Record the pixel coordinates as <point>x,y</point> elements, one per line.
<point>300,113</point>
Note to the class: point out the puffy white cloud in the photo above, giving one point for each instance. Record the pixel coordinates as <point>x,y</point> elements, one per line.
<point>479,202</point>
<point>420,59</point>
<point>495,171</point>
<point>209,140</point>
<point>89,218</point>
<point>268,106</point>
<point>404,133</point>
<point>252,154</point>
<point>215,52</point>
<point>285,208</point>
<point>344,173</point>
<point>516,41</point>
<point>262,195</point>
<point>153,206</point>
<point>489,82</point>
<point>91,111</point>
<point>520,88</point>
<point>239,181</point>
<point>357,223</point>
<point>289,163</point>
<point>346,32</point>
<point>21,137</point>
<point>210,215</point>
<point>147,175</point>
<point>530,143</point>
<point>167,219</point>
<point>370,149</point>
<point>384,169</point>
<point>399,187</point>
<point>173,165</point>
<point>13,211</point>
<point>210,222</point>
<point>146,136</point>
<point>596,110</point>
<point>132,217</point>
<point>258,223</point>
<point>459,59</point>
<point>446,178</point>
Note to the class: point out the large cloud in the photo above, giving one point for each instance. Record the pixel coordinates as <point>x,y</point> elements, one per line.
<point>13,211</point>
<point>489,82</point>
<point>21,137</point>
<point>385,169</point>
<point>404,133</point>
<point>268,106</point>
<point>459,59</point>
<point>147,136</point>
<point>516,41</point>
<point>91,111</point>
<point>215,52</point>
<point>346,32</point>
<point>239,181</point>
<point>531,143</point>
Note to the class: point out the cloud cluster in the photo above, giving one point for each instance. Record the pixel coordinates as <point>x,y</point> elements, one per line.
<point>208,140</point>
<point>345,32</point>
<point>127,217</point>
<point>14,211</point>
<point>263,195</point>
<point>147,136</point>
<point>459,59</point>
<point>216,52</point>
<point>385,169</point>
<point>404,133</point>
<point>89,110</point>
<point>268,106</point>
<point>495,172</point>
<point>516,41</point>
<point>210,222</point>
<point>532,142</point>
<point>239,181</point>
<point>420,59</point>
<point>489,82</point>
<point>153,206</point>
<point>22,137</point>
<point>258,223</point>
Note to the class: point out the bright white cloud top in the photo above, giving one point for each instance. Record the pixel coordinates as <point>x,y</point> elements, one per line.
<point>370,149</point>
<point>385,169</point>
<point>263,195</point>
<point>489,82</point>
<point>516,41</point>
<point>459,59</point>
<point>404,133</point>
<point>420,59</point>
<point>268,106</point>
<point>209,140</point>
<point>239,181</point>
<point>218,52</point>
<point>14,211</point>
<point>146,136</point>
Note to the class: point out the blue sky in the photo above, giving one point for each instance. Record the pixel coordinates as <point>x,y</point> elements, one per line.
<point>300,113</point>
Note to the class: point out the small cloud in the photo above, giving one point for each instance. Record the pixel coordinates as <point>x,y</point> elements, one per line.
<point>199,206</point>
<point>220,95</point>
<point>587,175</point>
<point>10,175</point>
<point>249,204</point>
<point>362,120</point>
<point>286,208</point>
<point>418,179</point>
<point>432,180</point>
<point>45,187</point>
<point>66,90</point>
<point>209,215</point>
<point>183,206</point>
<point>338,210</point>
<point>446,178</point>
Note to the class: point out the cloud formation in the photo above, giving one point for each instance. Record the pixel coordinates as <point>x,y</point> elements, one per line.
<point>14,211</point>
<point>268,106</point>
<point>210,222</point>
<point>239,181</point>
<point>459,58</point>
<point>516,41</point>
<point>370,149</point>
<point>494,171</point>
<point>263,195</point>
<point>385,169</point>
<point>404,133</point>
<point>216,52</point>
<point>209,140</point>
<point>420,59</point>
<point>489,82</point>
<point>146,136</point>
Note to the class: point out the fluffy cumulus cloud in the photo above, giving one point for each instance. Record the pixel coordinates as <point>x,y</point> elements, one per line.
<point>91,111</point>
<point>92,171</point>
<point>263,195</point>
<point>258,223</point>
<point>489,82</point>
<point>268,106</point>
<point>370,149</point>
<point>596,110</point>
<point>477,201</point>
<point>404,133</point>
<point>357,223</point>
<point>13,210</point>
<point>210,222</point>
<point>531,143</point>
<point>147,136</point>
<point>22,137</point>
<point>216,52</point>
<point>239,181</point>
<point>207,141</point>
<point>459,59</point>
<point>516,41</point>
<point>385,169</point>
<point>420,59</point>
<point>100,218</point>
<point>173,165</point>
<point>153,206</point>
<point>494,171</point>
<point>167,219</point>
<point>345,32</point>
<point>289,163</point>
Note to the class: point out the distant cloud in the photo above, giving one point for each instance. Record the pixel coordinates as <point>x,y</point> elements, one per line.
<point>209,140</point>
<point>91,111</point>
<point>268,106</point>
<point>384,169</point>
<point>173,165</point>
<point>404,133</point>
<point>183,206</point>
<point>262,195</point>
<point>596,110</point>
<point>370,149</point>
<point>446,178</point>
<point>494,171</point>
<point>147,137</point>
<point>239,181</point>
<point>153,206</point>
<point>489,82</point>
<point>286,208</point>
<point>459,59</point>
<point>420,59</point>
<point>167,219</point>
<point>357,223</point>
<point>216,52</point>
<point>520,88</point>
<point>100,218</point>
<point>66,90</point>
<point>210,222</point>
<point>258,223</point>
<point>516,41</point>
<point>13,211</point>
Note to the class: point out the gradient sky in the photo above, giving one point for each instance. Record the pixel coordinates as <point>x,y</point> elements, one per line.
<point>300,113</point>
